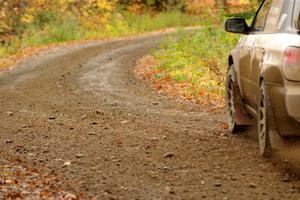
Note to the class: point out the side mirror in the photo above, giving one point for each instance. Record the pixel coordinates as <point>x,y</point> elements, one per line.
<point>236,25</point>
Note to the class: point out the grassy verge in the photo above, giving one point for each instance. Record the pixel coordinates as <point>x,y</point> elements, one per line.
<point>193,64</point>
<point>52,30</point>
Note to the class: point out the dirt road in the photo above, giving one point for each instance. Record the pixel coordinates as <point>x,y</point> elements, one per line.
<point>79,113</point>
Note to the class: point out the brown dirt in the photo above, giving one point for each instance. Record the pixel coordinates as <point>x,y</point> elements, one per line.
<point>123,141</point>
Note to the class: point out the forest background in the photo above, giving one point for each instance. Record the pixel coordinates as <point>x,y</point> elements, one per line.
<point>195,59</point>
<point>25,23</point>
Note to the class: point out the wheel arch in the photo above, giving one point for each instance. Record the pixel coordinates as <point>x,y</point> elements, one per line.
<point>233,61</point>
<point>242,117</point>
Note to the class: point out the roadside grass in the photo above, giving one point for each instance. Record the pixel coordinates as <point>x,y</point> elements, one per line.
<point>51,29</point>
<point>198,60</point>
<point>127,23</point>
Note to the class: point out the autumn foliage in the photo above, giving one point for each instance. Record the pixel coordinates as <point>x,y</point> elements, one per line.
<point>32,24</point>
<point>16,14</point>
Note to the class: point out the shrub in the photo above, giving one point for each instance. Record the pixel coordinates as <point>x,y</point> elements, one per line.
<point>197,57</point>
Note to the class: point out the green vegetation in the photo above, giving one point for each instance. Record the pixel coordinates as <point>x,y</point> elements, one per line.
<point>198,58</point>
<point>130,23</point>
<point>59,30</point>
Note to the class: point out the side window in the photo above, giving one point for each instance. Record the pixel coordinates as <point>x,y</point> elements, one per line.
<point>261,16</point>
<point>296,17</point>
<point>274,16</point>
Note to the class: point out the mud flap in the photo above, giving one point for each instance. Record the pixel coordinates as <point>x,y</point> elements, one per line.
<point>241,115</point>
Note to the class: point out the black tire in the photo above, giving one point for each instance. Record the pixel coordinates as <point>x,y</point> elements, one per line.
<point>263,121</point>
<point>231,101</point>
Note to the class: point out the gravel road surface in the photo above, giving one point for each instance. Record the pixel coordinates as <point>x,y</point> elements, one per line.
<point>80,113</point>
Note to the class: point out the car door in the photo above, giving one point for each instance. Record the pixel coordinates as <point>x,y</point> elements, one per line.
<point>264,27</point>
<point>255,52</point>
<point>245,48</point>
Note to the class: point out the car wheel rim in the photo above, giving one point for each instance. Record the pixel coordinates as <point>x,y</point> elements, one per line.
<point>262,123</point>
<point>230,102</point>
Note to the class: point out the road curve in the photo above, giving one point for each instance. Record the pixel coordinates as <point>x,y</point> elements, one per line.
<point>83,105</point>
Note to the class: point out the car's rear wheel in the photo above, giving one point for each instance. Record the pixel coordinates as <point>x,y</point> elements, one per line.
<point>263,121</point>
<point>230,94</point>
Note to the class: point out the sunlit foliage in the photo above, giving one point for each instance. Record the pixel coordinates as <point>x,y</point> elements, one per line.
<point>15,14</point>
<point>198,58</point>
<point>27,23</point>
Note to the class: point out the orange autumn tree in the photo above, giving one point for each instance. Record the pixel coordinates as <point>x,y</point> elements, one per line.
<point>93,13</point>
<point>10,16</point>
<point>90,13</point>
<point>15,14</point>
